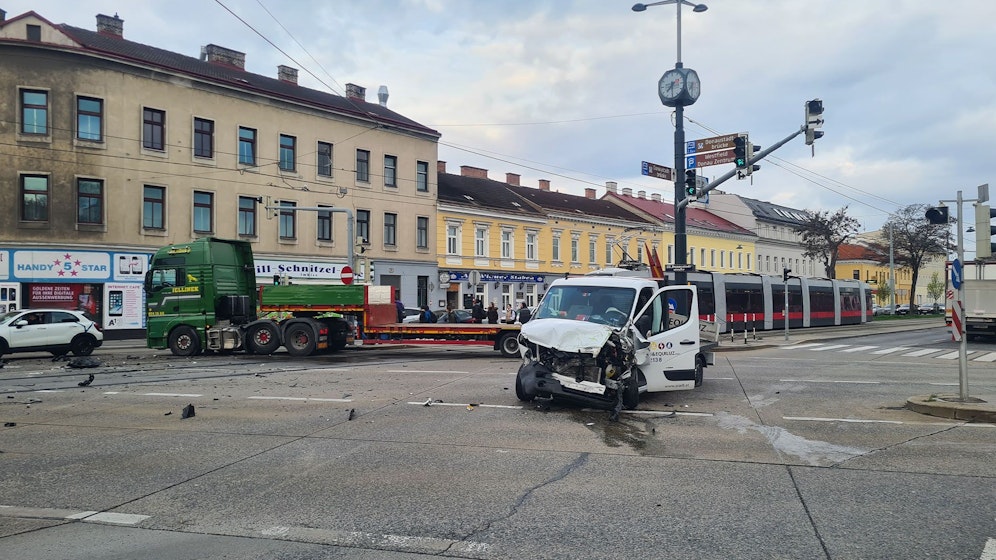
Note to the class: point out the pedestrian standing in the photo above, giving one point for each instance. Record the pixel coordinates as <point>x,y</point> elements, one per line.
<point>492,314</point>
<point>524,314</point>
<point>509,314</point>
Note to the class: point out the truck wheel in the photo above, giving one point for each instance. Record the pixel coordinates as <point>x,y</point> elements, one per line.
<point>509,345</point>
<point>300,340</point>
<point>263,338</point>
<point>83,345</point>
<point>698,370</point>
<point>183,341</point>
<point>631,392</point>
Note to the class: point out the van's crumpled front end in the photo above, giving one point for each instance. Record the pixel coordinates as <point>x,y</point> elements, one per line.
<point>587,363</point>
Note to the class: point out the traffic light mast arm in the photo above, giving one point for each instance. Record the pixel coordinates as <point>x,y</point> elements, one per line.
<point>731,174</point>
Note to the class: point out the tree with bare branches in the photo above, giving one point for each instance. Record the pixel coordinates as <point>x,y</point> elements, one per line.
<point>915,241</point>
<point>823,235</point>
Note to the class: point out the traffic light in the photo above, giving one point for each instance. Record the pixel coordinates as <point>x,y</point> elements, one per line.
<point>690,186</point>
<point>749,167</point>
<point>276,279</point>
<point>984,246</point>
<point>740,151</point>
<point>937,215</point>
<point>814,120</point>
<point>785,274</point>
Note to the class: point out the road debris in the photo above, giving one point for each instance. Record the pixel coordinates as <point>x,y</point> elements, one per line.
<point>86,381</point>
<point>188,412</point>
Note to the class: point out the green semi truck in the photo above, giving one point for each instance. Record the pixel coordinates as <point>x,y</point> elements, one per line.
<point>202,296</point>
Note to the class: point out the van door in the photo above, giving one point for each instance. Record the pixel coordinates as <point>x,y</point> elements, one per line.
<point>668,339</point>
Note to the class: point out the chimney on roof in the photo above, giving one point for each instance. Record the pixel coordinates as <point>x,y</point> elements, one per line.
<point>476,172</point>
<point>3,15</point>
<point>226,57</point>
<point>589,193</point>
<point>544,184</point>
<point>512,179</point>
<point>107,25</point>
<point>641,194</point>
<point>354,91</point>
<point>287,74</point>
<point>627,191</point>
<point>440,166</point>
<point>656,197</point>
<point>612,187</point>
<point>382,96</point>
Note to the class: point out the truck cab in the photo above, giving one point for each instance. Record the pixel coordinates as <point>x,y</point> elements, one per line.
<point>602,341</point>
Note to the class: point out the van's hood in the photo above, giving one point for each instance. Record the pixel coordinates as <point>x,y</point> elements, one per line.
<point>567,335</point>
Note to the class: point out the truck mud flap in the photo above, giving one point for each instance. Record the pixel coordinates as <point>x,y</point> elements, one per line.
<point>536,380</point>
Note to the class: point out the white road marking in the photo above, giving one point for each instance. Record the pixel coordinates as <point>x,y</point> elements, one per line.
<point>990,357</point>
<point>870,421</point>
<point>830,381</point>
<point>49,391</point>
<point>830,347</point>
<point>424,371</point>
<point>465,405</point>
<point>299,399</point>
<point>924,352</point>
<point>891,350</point>
<point>801,346</point>
<point>521,407</point>
<point>191,395</point>
<point>859,348</point>
<point>952,355</point>
<point>989,552</point>
<point>85,516</point>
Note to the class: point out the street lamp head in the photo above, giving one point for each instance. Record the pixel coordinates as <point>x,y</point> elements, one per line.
<point>700,8</point>
<point>639,7</point>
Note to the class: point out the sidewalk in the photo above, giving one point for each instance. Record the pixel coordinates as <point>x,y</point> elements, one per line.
<point>978,408</point>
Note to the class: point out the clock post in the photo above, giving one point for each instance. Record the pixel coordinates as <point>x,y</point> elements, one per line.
<point>678,87</point>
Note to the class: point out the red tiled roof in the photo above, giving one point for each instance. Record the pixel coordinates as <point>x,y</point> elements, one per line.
<point>694,217</point>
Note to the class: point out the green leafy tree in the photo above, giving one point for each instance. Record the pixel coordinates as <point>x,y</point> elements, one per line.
<point>823,235</point>
<point>884,293</point>
<point>935,289</point>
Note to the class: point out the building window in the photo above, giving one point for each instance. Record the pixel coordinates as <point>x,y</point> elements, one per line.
<point>288,153</point>
<point>34,112</point>
<point>452,239</point>
<point>33,32</point>
<point>288,220</point>
<point>89,118</point>
<point>324,159</point>
<point>363,166</point>
<point>153,129</point>
<point>89,201</point>
<point>247,146</point>
<point>531,245</point>
<point>390,171</point>
<point>324,225</point>
<point>34,198</point>
<point>363,225</point>
<point>422,176</point>
<point>575,256</point>
<point>555,247</point>
<point>153,207</point>
<point>609,242</point>
<point>507,242</point>
<point>592,249</point>
<point>247,215</point>
<point>203,212</point>
<point>203,138</point>
<point>481,242</point>
<point>390,228</point>
<point>422,233</point>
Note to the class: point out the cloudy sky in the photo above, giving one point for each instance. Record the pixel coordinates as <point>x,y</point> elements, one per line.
<point>566,90</point>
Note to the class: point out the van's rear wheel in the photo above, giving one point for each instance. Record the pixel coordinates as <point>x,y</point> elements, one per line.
<point>631,392</point>
<point>699,367</point>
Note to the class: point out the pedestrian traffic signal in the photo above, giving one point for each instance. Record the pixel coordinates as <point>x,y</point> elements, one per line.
<point>740,152</point>
<point>814,120</point>
<point>690,186</point>
<point>984,230</point>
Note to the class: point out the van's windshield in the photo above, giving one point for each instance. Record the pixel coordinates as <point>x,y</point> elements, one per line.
<point>596,304</point>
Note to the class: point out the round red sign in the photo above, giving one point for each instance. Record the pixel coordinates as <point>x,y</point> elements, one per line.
<point>346,275</point>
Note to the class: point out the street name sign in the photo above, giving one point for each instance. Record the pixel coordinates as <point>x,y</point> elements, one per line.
<point>693,161</point>
<point>658,171</point>
<point>711,144</point>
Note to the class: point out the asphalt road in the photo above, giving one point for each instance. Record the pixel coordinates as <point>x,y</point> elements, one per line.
<point>785,452</point>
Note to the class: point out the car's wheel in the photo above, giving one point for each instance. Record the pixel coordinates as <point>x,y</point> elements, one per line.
<point>631,392</point>
<point>509,345</point>
<point>184,341</point>
<point>300,340</point>
<point>3,347</point>
<point>83,345</point>
<point>520,391</point>
<point>263,338</point>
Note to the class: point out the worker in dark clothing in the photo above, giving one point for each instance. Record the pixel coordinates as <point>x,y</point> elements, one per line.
<point>477,311</point>
<point>492,314</point>
<point>524,314</point>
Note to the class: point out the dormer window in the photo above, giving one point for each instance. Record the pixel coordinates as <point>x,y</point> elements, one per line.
<point>33,32</point>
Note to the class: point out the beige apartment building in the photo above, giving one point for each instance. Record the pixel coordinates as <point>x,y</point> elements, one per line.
<point>110,148</point>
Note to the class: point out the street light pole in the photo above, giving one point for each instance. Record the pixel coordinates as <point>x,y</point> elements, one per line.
<point>685,94</point>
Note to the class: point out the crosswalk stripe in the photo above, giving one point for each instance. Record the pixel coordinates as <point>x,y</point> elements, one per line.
<point>802,346</point>
<point>989,357</point>
<point>891,350</point>
<point>830,347</point>
<point>859,348</point>
<point>924,352</point>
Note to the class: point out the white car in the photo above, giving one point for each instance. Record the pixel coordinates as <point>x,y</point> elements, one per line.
<point>49,330</point>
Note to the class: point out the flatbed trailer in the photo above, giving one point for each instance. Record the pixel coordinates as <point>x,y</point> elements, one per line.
<point>372,311</point>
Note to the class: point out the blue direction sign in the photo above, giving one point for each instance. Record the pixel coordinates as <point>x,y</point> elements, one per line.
<point>956,274</point>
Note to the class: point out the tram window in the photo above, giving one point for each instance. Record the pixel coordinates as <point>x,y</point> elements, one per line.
<point>707,298</point>
<point>821,299</point>
<point>744,298</point>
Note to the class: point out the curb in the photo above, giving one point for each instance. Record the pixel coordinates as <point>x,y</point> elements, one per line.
<point>949,406</point>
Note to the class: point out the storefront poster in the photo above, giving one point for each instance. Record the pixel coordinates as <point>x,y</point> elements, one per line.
<point>130,267</point>
<point>125,306</point>
<point>61,265</point>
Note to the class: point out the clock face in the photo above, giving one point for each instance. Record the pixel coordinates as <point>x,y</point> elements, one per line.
<point>693,85</point>
<point>672,84</point>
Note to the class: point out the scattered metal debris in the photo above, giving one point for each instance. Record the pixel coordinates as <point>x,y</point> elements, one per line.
<point>86,382</point>
<point>188,412</point>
